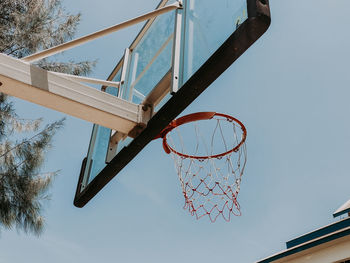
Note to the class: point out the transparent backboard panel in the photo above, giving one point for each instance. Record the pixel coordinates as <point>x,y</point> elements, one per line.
<point>150,60</point>
<point>164,70</point>
<point>98,145</point>
<point>207,24</point>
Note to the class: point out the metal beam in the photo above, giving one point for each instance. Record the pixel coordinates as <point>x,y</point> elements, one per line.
<point>101,33</point>
<point>90,80</point>
<point>176,52</point>
<point>31,83</point>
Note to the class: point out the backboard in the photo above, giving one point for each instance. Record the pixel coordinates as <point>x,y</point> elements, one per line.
<point>173,59</point>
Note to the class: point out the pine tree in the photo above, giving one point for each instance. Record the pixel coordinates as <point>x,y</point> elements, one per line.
<point>27,26</point>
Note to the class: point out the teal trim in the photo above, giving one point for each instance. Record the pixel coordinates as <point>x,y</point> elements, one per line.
<point>306,246</point>
<point>324,236</point>
<point>341,212</point>
<point>319,233</point>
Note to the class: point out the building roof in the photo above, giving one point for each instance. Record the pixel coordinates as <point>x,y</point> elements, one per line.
<point>344,209</point>
<point>315,238</point>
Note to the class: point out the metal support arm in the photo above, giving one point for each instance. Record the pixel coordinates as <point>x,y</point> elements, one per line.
<point>101,33</point>
<point>51,90</point>
<point>89,80</point>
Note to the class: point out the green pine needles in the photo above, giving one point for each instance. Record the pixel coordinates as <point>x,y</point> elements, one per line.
<point>27,26</point>
<point>22,186</point>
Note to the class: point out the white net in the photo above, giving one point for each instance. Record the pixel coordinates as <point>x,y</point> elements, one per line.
<point>210,157</point>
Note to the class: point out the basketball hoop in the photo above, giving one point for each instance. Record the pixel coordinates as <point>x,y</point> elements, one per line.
<point>209,153</point>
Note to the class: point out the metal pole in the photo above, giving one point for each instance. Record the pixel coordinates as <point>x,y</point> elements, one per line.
<point>176,53</point>
<point>89,80</point>
<point>98,34</point>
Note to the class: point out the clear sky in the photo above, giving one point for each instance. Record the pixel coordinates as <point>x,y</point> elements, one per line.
<point>291,90</point>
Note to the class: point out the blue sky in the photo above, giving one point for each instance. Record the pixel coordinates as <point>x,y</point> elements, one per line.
<point>290,89</point>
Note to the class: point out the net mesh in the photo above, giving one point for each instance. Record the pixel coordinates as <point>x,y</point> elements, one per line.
<point>210,175</point>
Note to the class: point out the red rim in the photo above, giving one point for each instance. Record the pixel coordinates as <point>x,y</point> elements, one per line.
<point>197,117</point>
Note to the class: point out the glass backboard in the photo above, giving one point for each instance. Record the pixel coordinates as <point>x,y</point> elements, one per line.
<point>174,58</point>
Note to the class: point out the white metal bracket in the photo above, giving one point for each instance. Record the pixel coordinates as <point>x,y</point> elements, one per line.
<point>89,80</point>
<point>51,90</point>
<point>176,52</point>
<point>82,40</point>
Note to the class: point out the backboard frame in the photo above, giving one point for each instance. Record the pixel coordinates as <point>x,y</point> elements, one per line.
<point>245,35</point>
